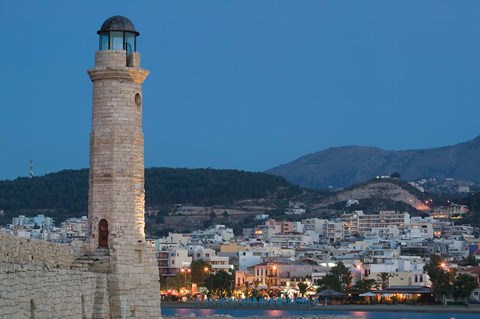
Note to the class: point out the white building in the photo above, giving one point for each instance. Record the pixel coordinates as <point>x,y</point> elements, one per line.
<point>358,223</point>
<point>208,255</point>
<point>420,228</point>
<point>31,222</point>
<point>314,224</point>
<point>291,240</point>
<point>214,235</point>
<point>171,260</point>
<point>386,232</point>
<point>333,231</point>
<point>76,227</point>
<point>247,259</point>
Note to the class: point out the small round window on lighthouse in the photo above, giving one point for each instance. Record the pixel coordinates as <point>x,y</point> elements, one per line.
<point>138,100</point>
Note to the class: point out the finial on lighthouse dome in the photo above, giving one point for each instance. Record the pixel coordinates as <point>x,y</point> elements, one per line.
<point>118,33</point>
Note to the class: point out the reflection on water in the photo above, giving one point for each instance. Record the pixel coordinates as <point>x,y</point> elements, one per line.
<point>187,312</point>
<point>206,312</point>
<point>361,314</point>
<point>274,313</point>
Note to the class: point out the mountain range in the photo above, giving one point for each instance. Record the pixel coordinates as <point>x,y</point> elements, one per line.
<point>348,165</point>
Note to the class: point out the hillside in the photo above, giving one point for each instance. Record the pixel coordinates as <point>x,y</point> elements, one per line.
<point>65,193</point>
<point>349,165</point>
<point>378,195</point>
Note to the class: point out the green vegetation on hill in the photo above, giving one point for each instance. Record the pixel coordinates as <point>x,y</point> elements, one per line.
<point>65,193</point>
<point>212,186</point>
<point>66,190</point>
<point>473,202</point>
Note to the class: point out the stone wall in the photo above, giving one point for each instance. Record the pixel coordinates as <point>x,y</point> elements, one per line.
<point>42,280</point>
<point>133,282</point>
<point>111,58</point>
<point>17,250</point>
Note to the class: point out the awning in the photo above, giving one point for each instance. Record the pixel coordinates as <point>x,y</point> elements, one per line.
<point>367,294</point>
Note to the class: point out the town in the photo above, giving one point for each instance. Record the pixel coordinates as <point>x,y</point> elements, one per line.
<point>385,257</point>
<point>302,157</point>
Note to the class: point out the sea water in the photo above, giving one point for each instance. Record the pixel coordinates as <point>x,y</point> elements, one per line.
<point>287,313</point>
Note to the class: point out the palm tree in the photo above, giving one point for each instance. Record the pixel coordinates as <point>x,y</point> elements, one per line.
<point>384,278</point>
<point>302,288</point>
<point>268,291</point>
<point>246,284</point>
<point>285,295</point>
<point>255,291</point>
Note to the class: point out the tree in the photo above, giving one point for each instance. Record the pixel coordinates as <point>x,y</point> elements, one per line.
<point>344,275</point>
<point>364,285</point>
<point>395,175</point>
<point>221,283</point>
<point>255,291</point>
<point>463,286</point>
<point>200,271</point>
<point>246,289</point>
<point>441,277</point>
<point>384,277</point>
<point>469,261</point>
<point>168,283</point>
<point>339,278</point>
<point>302,288</point>
<point>330,281</point>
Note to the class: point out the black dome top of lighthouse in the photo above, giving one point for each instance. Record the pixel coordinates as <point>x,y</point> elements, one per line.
<point>118,23</point>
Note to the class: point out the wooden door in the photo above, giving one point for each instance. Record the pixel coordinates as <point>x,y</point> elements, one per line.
<point>103,234</point>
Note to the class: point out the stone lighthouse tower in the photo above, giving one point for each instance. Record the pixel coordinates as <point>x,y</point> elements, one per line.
<point>116,199</point>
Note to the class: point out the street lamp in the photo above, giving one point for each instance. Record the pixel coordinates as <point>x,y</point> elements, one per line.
<point>185,271</point>
<point>359,268</point>
<point>274,274</point>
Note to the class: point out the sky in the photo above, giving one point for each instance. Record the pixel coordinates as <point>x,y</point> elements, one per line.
<point>243,84</point>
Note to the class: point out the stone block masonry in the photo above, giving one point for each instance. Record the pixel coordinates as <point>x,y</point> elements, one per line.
<point>116,200</point>
<point>23,251</point>
<point>115,275</point>
<point>133,282</point>
<point>41,280</point>
<point>116,187</point>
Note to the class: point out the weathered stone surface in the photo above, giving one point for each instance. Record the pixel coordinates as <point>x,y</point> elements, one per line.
<point>120,279</point>
<point>38,280</point>
<point>116,186</point>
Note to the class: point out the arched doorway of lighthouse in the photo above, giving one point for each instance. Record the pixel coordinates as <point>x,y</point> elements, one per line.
<point>103,234</point>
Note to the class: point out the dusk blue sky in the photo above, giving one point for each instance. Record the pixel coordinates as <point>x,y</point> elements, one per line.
<point>243,84</point>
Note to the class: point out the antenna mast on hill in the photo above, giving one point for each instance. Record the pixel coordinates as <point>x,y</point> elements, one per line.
<point>30,169</point>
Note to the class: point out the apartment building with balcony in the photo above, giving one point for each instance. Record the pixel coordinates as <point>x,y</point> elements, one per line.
<point>208,255</point>
<point>171,260</point>
<point>358,223</point>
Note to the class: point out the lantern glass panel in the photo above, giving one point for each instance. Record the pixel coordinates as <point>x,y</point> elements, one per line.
<point>103,41</point>
<point>130,42</point>
<point>116,39</point>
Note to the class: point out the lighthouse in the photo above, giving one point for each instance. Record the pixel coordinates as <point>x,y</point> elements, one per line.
<point>116,197</point>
